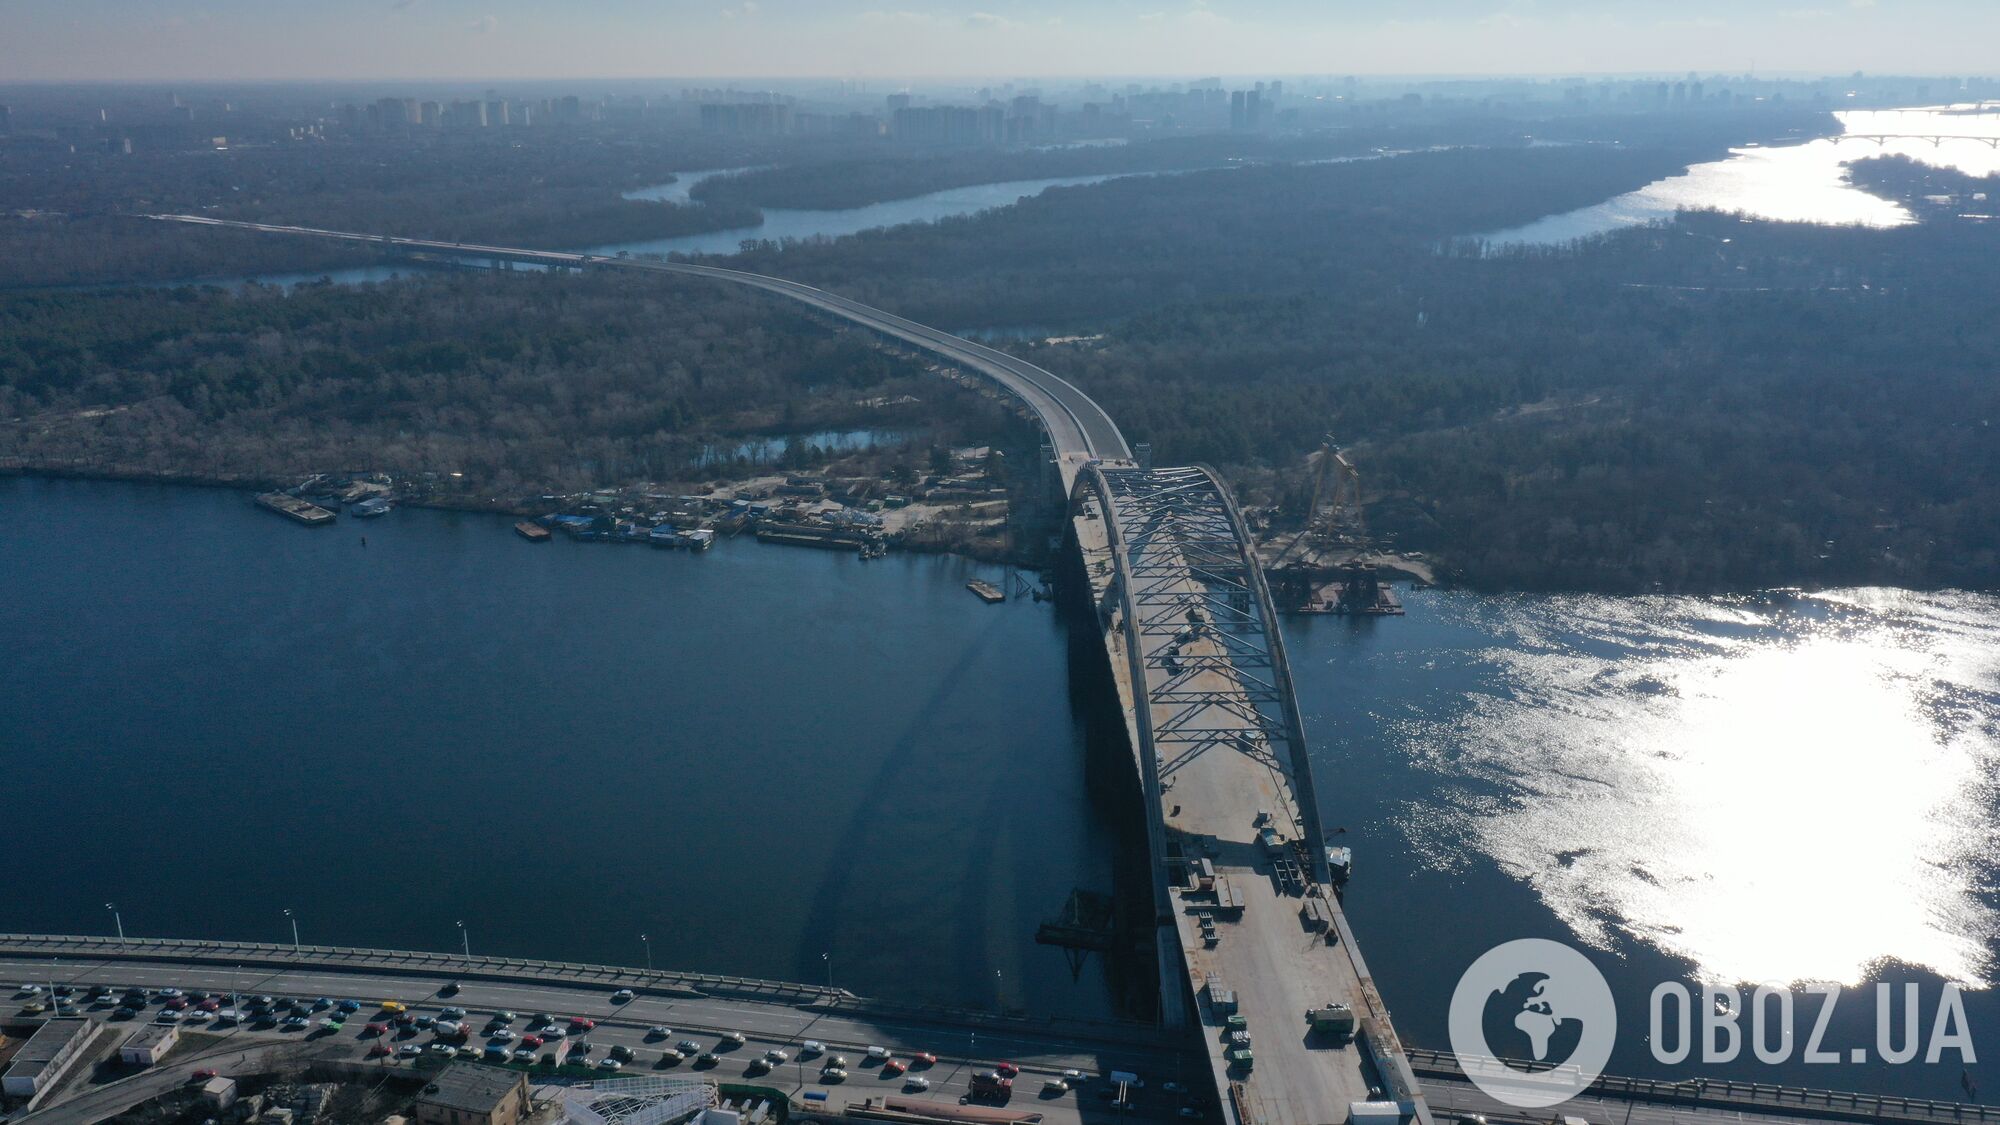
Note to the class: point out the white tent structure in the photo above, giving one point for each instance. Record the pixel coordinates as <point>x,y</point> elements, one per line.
<point>634,1101</point>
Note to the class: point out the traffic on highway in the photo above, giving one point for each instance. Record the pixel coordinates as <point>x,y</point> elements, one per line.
<point>823,1059</point>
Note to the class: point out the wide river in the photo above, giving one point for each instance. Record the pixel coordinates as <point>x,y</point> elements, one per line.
<point>762,756</point>
<point>1806,182</point>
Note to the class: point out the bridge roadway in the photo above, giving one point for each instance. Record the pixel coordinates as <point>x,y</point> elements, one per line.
<point>1193,645</point>
<point>1078,428</point>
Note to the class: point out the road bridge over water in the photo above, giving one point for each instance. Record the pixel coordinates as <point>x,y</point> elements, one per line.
<point>1246,919</point>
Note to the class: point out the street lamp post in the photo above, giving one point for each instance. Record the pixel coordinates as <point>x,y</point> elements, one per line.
<point>465,939</point>
<point>295,930</point>
<point>828,958</point>
<point>117,918</point>
<point>648,943</point>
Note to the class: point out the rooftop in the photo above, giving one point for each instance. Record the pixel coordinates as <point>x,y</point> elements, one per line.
<point>474,1088</point>
<point>47,1043</point>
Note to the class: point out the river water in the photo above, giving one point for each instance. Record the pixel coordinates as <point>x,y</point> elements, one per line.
<point>780,223</point>
<point>762,754</point>
<point>1802,183</point>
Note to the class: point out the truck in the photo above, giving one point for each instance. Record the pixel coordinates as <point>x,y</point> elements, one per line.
<point>1374,1113</point>
<point>1336,1020</point>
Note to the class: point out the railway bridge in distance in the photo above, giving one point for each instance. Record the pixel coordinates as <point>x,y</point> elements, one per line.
<point>1250,933</point>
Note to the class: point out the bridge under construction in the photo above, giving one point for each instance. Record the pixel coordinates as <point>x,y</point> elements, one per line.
<point>1252,940</point>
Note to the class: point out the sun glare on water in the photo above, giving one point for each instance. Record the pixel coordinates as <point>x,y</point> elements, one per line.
<point>1778,792</point>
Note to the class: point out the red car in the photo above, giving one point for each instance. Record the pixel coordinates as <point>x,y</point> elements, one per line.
<point>177,1004</point>
<point>531,1040</point>
<point>210,1005</point>
<point>203,1075</point>
<point>580,1024</point>
<point>1006,1070</point>
<point>895,1066</point>
<point>376,1029</point>
<point>378,1050</point>
<point>924,1057</point>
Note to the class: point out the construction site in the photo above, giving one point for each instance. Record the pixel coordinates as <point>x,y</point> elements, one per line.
<point>1327,563</point>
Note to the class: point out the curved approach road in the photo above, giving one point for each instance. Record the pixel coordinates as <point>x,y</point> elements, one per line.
<point>1078,428</point>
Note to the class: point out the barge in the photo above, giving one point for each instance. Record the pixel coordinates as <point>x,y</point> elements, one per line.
<point>310,514</point>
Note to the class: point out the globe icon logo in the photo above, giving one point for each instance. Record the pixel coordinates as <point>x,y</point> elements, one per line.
<point>1532,1023</point>
<point>1522,1022</point>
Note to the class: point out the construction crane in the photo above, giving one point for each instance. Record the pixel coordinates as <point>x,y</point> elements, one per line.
<point>1333,520</point>
<point>1335,479</point>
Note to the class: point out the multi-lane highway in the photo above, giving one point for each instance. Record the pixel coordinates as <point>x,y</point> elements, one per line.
<point>765,1024</point>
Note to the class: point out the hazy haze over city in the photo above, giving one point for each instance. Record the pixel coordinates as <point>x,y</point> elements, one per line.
<point>220,40</point>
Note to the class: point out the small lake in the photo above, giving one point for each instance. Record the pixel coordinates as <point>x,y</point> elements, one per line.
<point>763,450</point>
<point>1802,183</point>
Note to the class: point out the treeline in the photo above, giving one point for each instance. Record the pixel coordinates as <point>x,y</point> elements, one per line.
<point>1930,190</point>
<point>873,173</point>
<point>522,382</point>
<point>555,190</point>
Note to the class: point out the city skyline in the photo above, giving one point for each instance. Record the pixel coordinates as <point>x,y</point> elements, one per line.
<point>225,40</point>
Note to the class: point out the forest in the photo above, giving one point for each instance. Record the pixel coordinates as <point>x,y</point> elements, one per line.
<point>1713,405</point>
<point>521,382</point>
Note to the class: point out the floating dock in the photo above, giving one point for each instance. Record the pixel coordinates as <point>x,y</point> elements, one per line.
<point>312,515</point>
<point>987,591</point>
<point>532,531</point>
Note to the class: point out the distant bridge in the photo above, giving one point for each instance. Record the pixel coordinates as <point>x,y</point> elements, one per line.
<point>1247,920</point>
<point>1936,139</point>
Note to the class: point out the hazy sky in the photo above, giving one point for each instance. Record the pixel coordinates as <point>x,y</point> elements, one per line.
<point>890,39</point>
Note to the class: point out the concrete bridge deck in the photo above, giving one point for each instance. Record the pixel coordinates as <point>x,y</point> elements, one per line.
<point>1200,669</point>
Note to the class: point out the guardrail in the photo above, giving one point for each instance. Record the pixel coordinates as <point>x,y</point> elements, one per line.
<point>412,962</point>
<point>1731,1095</point>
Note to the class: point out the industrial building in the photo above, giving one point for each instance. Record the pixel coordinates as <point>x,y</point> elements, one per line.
<point>47,1056</point>
<point>149,1044</point>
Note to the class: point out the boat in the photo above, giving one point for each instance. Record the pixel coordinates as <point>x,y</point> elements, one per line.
<point>532,531</point>
<point>700,539</point>
<point>372,507</point>
<point>987,591</point>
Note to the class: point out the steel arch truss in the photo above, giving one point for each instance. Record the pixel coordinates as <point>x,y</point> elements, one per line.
<point>1210,671</point>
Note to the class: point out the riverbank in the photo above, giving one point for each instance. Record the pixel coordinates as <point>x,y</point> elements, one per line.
<point>965,516</point>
